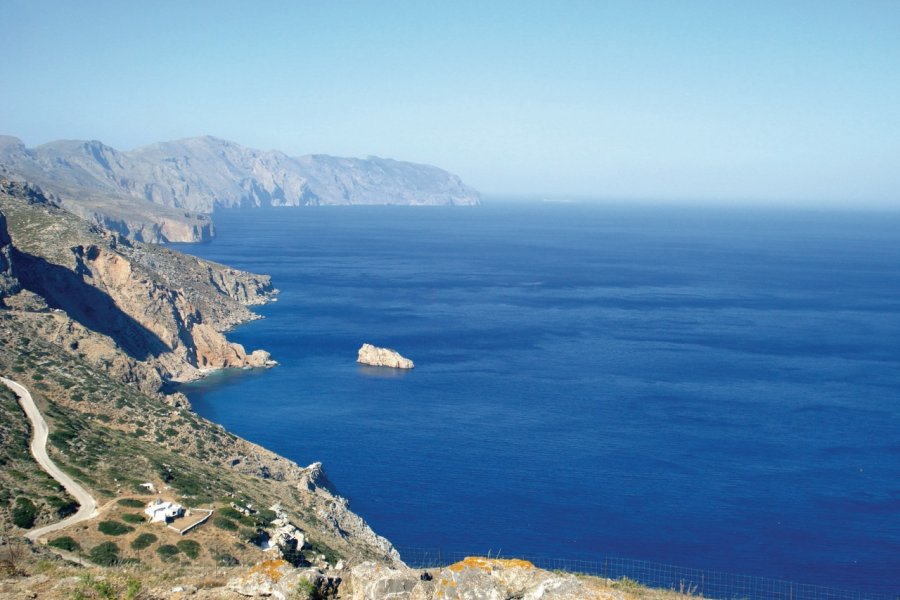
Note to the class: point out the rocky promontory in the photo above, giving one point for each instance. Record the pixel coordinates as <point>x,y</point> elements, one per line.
<point>150,315</point>
<point>382,357</point>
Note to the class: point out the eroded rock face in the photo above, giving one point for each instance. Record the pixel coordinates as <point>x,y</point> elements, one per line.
<point>475,579</point>
<point>278,580</point>
<point>284,534</point>
<point>371,581</point>
<point>153,227</point>
<point>9,284</point>
<point>147,314</point>
<point>382,357</point>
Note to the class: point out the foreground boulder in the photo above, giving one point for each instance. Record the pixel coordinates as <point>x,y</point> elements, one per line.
<point>382,357</point>
<point>277,579</point>
<point>475,579</point>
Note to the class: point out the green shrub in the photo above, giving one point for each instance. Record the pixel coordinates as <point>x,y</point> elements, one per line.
<point>265,516</point>
<point>132,502</point>
<point>306,590</point>
<point>24,514</point>
<point>132,588</point>
<point>105,555</point>
<point>65,543</point>
<point>189,547</point>
<point>223,523</point>
<point>331,557</point>
<point>167,551</point>
<point>143,541</point>
<point>133,518</point>
<point>114,528</point>
<point>230,513</point>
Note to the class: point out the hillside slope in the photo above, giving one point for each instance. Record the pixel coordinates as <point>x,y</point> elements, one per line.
<point>93,326</point>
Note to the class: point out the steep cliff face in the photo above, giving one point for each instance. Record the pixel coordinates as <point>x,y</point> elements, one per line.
<point>154,225</point>
<point>157,309</point>
<point>9,284</point>
<point>200,174</point>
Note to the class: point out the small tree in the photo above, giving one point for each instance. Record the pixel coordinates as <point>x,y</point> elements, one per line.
<point>13,555</point>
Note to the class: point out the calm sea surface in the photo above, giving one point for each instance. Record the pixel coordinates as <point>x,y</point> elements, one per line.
<point>711,388</point>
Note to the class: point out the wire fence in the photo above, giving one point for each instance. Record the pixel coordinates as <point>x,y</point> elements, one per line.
<point>685,581</point>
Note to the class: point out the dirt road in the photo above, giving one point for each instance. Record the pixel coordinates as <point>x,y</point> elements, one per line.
<point>88,506</point>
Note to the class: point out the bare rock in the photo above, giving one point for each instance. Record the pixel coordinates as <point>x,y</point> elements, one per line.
<point>382,357</point>
<point>372,581</point>
<point>278,580</point>
<point>476,578</point>
<point>9,284</point>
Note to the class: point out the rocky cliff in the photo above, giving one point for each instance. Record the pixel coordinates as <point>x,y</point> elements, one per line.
<point>155,193</point>
<point>161,313</point>
<point>9,284</point>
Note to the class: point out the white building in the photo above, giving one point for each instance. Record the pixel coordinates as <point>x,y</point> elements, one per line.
<point>160,511</point>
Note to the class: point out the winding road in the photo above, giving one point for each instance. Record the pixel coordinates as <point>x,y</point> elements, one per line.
<point>87,505</point>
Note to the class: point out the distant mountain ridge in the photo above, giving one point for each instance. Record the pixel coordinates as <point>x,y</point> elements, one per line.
<point>122,189</point>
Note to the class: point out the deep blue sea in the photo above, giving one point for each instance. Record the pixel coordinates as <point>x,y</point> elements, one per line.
<point>715,388</point>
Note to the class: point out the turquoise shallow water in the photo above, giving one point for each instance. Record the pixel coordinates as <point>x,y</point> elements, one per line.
<point>712,388</point>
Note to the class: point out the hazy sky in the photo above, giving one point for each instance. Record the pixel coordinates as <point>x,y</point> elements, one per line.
<point>726,99</point>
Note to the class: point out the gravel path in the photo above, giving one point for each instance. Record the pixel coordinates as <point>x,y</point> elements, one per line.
<point>88,506</point>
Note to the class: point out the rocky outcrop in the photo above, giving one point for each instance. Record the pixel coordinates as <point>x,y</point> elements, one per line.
<point>471,579</point>
<point>283,534</point>
<point>474,578</point>
<point>155,193</point>
<point>139,309</point>
<point>278,580</point>
<point>382,357</point>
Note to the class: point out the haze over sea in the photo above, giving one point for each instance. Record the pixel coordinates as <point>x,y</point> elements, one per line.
<point>709,387</point>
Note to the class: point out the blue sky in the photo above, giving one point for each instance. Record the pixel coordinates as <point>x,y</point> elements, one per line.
<point>785,102</point>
